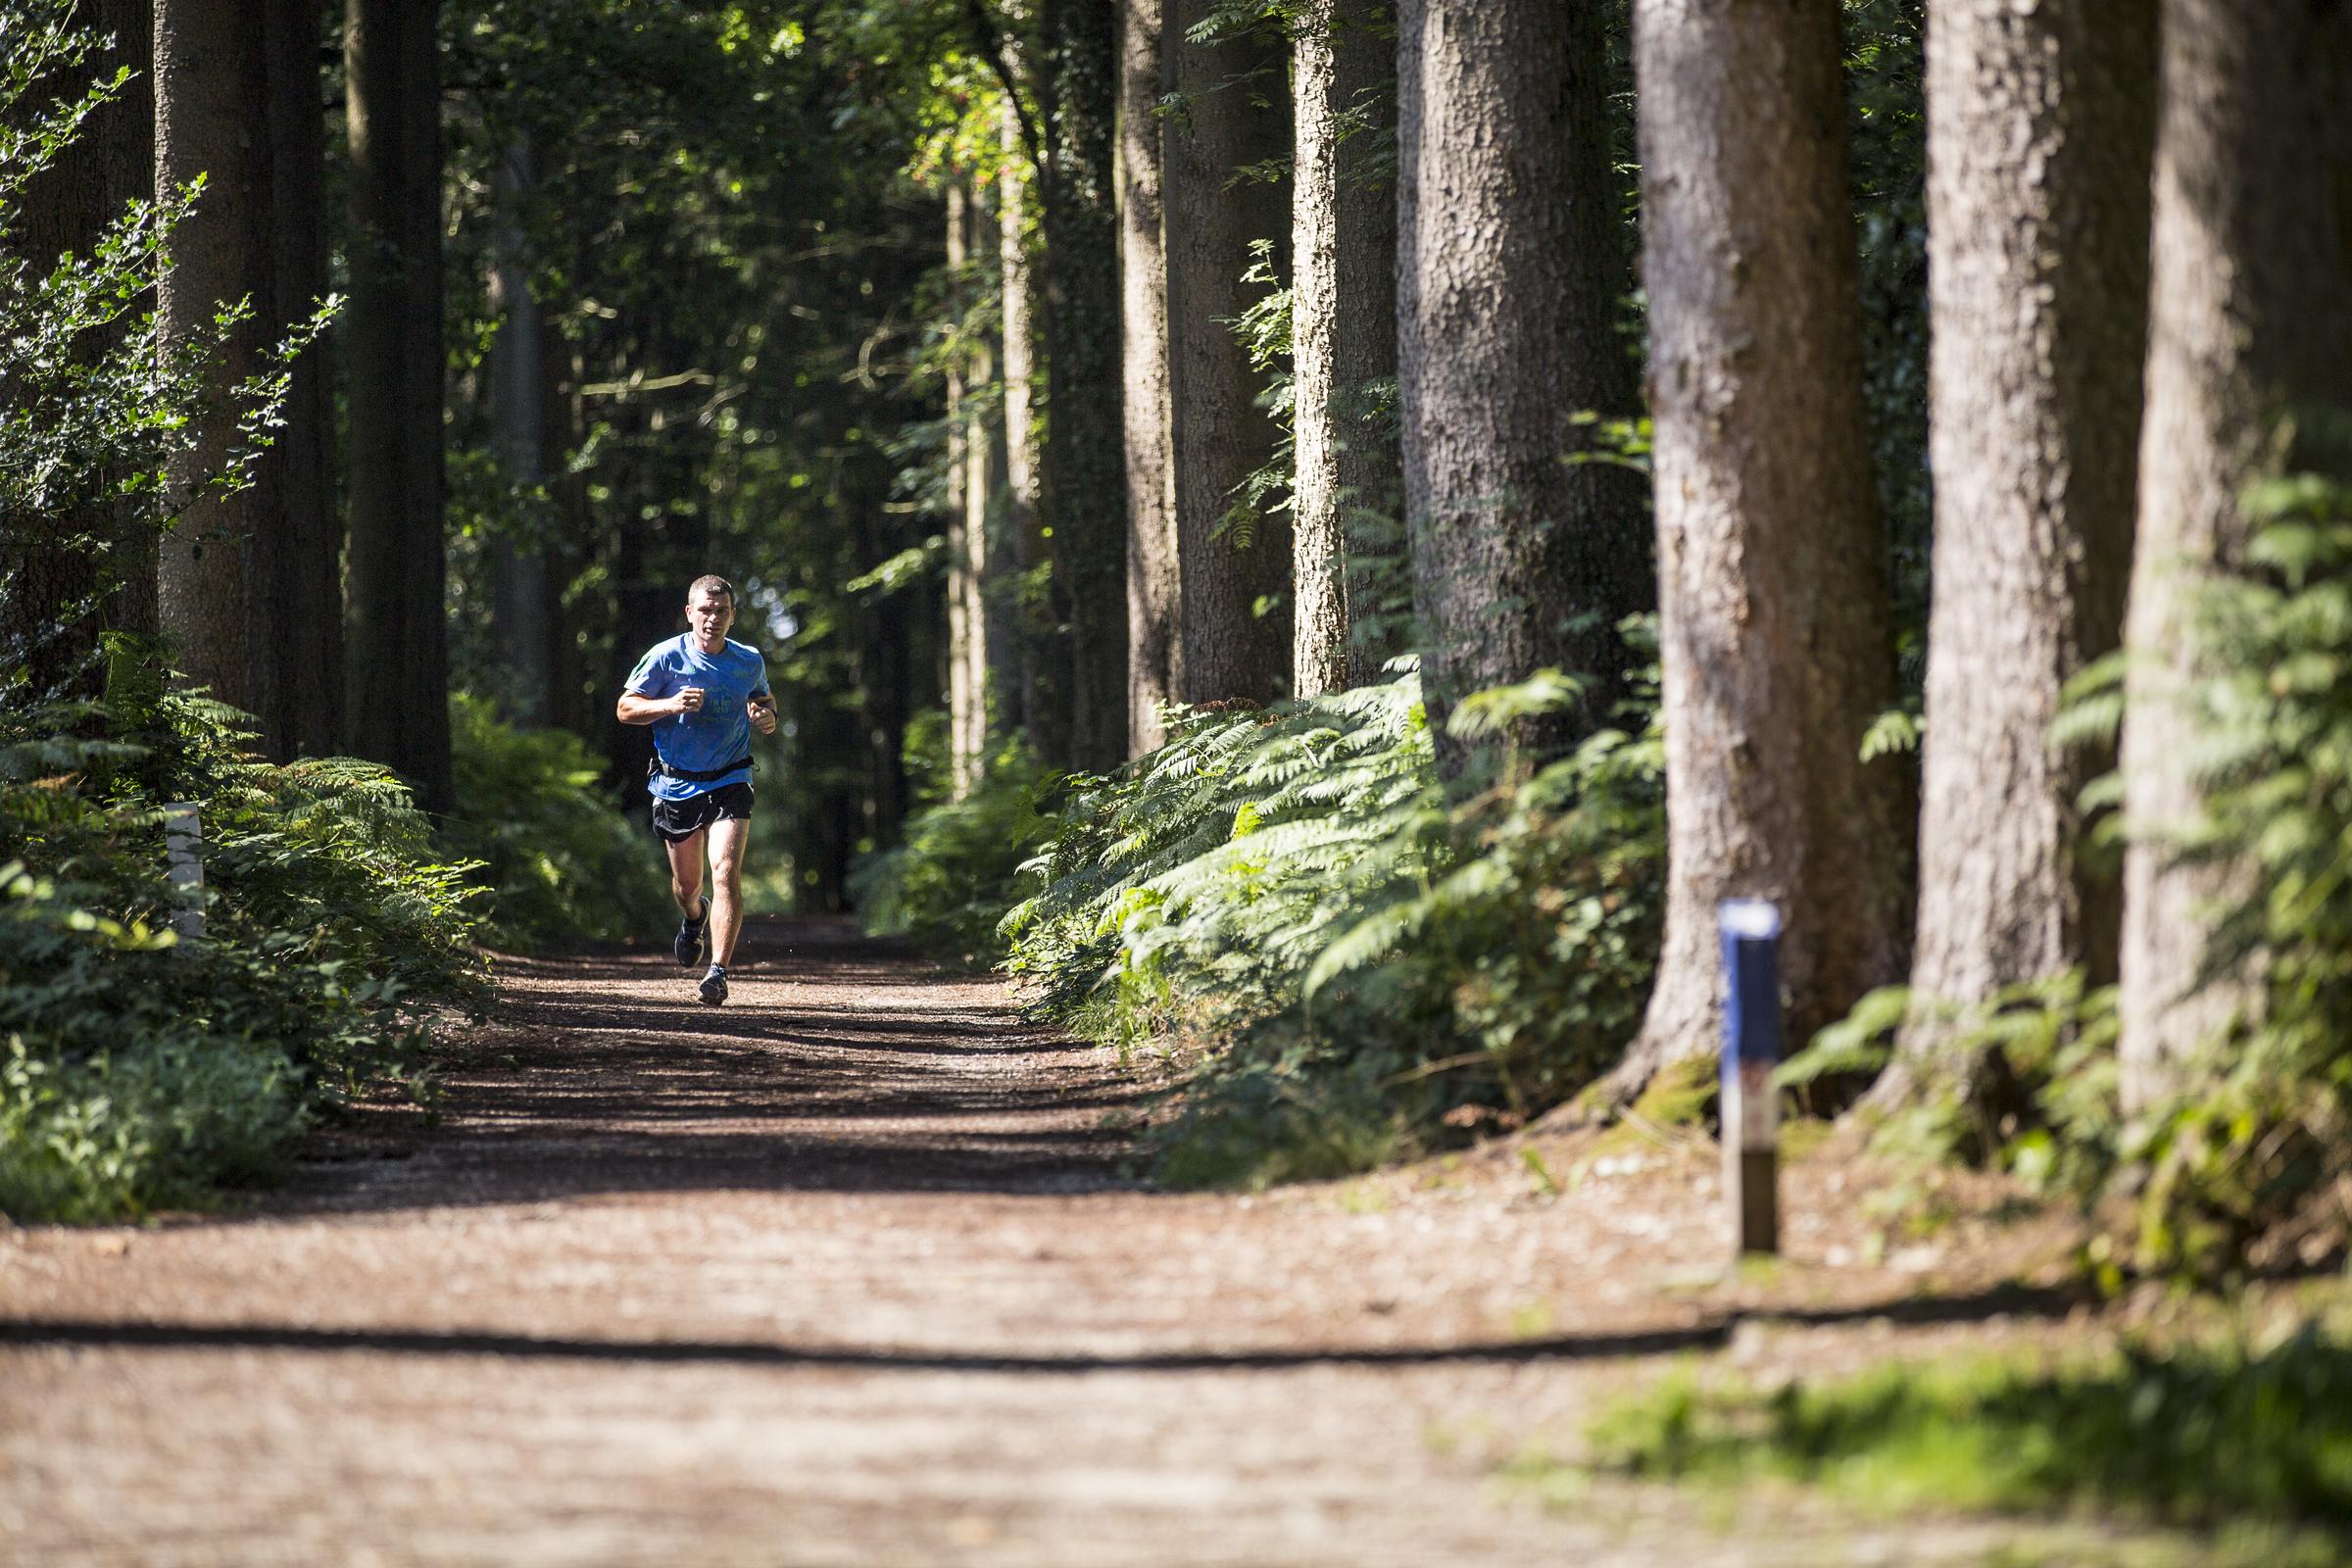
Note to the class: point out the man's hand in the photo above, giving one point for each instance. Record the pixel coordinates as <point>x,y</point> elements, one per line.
<point>688,701</point>
<point>763,713</point>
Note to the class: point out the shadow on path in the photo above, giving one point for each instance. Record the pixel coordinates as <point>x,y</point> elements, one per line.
<point>839,1063</point>
<point>2010,1300</point>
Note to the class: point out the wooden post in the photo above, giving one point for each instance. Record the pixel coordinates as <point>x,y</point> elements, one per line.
<point>1751,1048</point>
<point>183,848</point>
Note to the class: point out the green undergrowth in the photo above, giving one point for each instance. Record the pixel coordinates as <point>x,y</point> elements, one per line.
<point>1336,963</point>
<point>2242,1165</point>
<point>2253,1442</point>
<point>140,1070</point>
<point>553,855</point>
<point>950,884</point>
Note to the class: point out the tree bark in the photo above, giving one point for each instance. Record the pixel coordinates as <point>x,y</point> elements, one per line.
<point>520,608</point>
<point>1155,640</point>
<point>210,83</point>
<point>1235,592</point>
<point>1041,715</point>
<point>1343,334</point>
<point>294,563</point>
<point>398,668</point>
<point>90,185</point>
<point>1085,449</point>
<point>968,533</point>
<point>1772,567</point>
<point>2040,127</point>
<point>1511,261</point>
<point>2249,375</point>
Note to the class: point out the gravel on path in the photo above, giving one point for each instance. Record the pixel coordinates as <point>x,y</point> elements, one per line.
<point>849,1272</point>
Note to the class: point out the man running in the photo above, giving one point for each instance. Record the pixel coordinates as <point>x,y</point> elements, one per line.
<point>702,694</point>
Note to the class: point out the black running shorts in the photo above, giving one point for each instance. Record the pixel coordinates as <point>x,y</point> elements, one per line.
<point>678,821</point>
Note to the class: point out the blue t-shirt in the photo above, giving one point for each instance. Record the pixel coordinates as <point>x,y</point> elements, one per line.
<point>718,733</point>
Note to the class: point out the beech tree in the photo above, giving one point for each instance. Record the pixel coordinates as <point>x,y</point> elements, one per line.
<point>1510,260</point>
<point>1232,128</point>
<point>2039,130</point>
<point>1772,616</point>
<point>398,664</point>
<point>1154,644</point>
<point>1343,327</point>
<point>2249,375</point>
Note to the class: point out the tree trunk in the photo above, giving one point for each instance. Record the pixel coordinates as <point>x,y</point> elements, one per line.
<point>520,610</point>
<point>92,183</point>
<point>1086,505</point>
<point>1154,641</point>
<point>2041,125</point>
<point>1511,261</point>
<point>398,669</point>
<point>1772,581</point>
<point>1343,334</point>
<point>561,370</point>
<point>1041,715</point>
<point>2249,375</point>
<point>296,578</point>
<point>968,533</point>
<point>209,84</point>
<point>1233,583</point>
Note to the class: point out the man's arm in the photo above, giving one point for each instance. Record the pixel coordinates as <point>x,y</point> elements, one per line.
<point>762,710</point>
<point>633,709</point>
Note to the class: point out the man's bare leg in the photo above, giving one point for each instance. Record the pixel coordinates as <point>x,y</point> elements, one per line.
<point>729,836</point>
<point>686,874</point>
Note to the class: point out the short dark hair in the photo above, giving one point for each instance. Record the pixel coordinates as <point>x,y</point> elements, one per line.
<point>711,583</point>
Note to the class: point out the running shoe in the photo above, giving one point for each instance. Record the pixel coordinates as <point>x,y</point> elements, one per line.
<point>694,937</point>
<point>714,986</point>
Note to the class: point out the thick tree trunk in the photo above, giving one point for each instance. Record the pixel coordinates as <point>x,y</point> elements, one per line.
<point>1086,479</point>
<point>2249,375</point>
<point>520,608</point>
<point>1772,579</point>
<point>398,668</point>
<point>209,84</point>
<point>112,164</point>
<point>2041,125</point>
<point>1510,260</point>
<point>1343,331</point>
<point>1235,591</point>
<point>1154,641</point>
<point>296,578</point>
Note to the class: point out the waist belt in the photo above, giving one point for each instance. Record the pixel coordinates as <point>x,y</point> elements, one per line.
<point>660,769</point>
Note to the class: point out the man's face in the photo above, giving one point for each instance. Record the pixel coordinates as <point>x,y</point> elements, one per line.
<point>710,615</point>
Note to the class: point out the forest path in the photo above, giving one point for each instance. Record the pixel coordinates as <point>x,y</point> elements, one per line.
<point>846,1273</point>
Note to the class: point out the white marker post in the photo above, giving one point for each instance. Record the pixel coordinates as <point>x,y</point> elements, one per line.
<point>1750,929</point>
<point>183,848</point>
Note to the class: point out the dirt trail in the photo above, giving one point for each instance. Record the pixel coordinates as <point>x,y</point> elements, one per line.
<point>848,1273</point>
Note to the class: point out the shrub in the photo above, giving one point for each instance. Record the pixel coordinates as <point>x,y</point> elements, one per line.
<point>950,886</point>
<point>141,1070</point>
<point>1340,965</point>
<point>553,852</point>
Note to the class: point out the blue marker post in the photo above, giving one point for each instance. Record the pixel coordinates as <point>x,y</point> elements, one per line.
<point>1751,1048</point>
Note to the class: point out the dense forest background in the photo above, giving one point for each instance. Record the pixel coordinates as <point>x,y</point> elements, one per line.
<point>1328,537</point>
